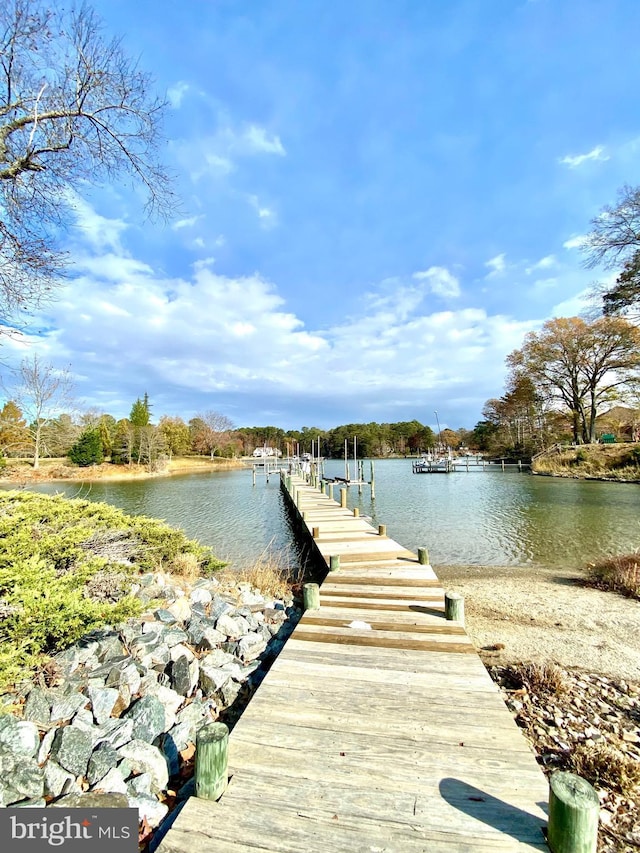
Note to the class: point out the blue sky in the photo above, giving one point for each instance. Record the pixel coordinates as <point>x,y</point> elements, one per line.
<point>378,200</point>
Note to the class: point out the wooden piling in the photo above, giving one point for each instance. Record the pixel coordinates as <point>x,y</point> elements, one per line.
<point>331,490</point>
<point>212,743</point>
<point>311,596</point>
<point>574,810</point>
<point>343,498</point>
<point>454,607</point>
<point>356,511</point>
<point>382,530</point>
<point>316,532</point>
<point>423,556</point>
<point>373,482</point>
<point>334,562</point>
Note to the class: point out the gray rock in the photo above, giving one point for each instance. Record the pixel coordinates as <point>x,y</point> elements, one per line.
<point>251,646</point>
<point>212,678</point>
<point>37,708</point>
<point>149,808</point>
<point>211,639</point>
<point>112,782</point>
<point>102,702</point>
<point>170,701</point>
<point>144,644</point>
<point>103,758</point>
<point>72,748</point>
<point>180,650</point>
<point>165,616</point>
<point>180,677</point>
<point>182,734</point>
<point>217,657</point>
<point>146,758</point>
<point>57,780</point>
<point>115,732</point>
<point>111,648</point>
<point>173,636</point>
<point>218,607</point>
<point>20,777</point>
<point>65,706</point>
<point>45,745</point>
<point>92,800</point>
<point>230,627</point>
<point>181,609</point>
<point>140,786</point>
<point>21,737</point>
<point>228,693</point>
<point>199,595</point>
<point>147,715</point>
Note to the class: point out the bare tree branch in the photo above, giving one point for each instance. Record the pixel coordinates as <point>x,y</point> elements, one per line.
<point>73,107</point>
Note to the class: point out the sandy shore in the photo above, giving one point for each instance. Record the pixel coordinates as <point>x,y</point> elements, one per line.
<point>547,616</point>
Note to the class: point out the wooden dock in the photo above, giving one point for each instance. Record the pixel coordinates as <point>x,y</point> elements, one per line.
<point>377,729</point>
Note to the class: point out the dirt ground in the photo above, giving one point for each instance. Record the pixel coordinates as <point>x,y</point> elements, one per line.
<point>546,616</point>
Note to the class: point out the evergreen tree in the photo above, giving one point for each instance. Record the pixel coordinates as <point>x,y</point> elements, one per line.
<point>140,412</point>
<point>88,449</point>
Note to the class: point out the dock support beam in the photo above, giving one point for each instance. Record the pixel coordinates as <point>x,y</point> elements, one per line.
<point>454,607</point>
<point>311,596</point>
<point>212,744</point>
<point>574,809</point>
<point>423,556</point>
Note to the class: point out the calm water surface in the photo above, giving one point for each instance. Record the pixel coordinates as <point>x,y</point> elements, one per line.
<point>474,518</point>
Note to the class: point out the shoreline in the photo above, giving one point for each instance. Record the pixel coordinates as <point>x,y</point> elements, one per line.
<point>523,614</point>
<point>106,472</point>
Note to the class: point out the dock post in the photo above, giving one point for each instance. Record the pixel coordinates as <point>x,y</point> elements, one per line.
<point>322,485</point>
<point>316,532</point>
<point>502,464</point>
<point>334,562</point>
<point>423,556</point>
<point>311,596</point>
<point>520,465</point>
<point>287,482</point>
<point>360,475</point>
<point>356,511</point>
<point>373,483</point>
<point>212,743</point>
<point>343,498</point>
<point>574,809</point>
<point>382,530</point>
<point>454,607</point>
<point>254,475</point>
<point>304,515</point>
<point>331,490</point>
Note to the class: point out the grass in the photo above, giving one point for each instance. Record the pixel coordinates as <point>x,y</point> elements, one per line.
<point>271,574</point>
<point>610,461</point>
<point>545,679</point>
<point>619,574</point>
<point>605,766</point>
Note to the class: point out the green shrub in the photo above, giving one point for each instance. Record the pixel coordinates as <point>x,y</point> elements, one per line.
<point>88,449</point>
<point>60,563</point>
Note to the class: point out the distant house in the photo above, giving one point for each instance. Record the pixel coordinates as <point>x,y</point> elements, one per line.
<point>263,452</point>
<point>621,421</point>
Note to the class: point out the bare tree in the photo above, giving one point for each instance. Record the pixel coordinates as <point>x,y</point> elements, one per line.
<point>211,432</point>
<point>41,392</point>
<point>73,107</point>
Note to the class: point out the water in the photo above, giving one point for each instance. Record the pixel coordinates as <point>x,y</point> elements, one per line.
<point>474,518</point>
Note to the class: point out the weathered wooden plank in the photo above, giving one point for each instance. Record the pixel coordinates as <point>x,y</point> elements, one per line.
<point>356,638</point>
<point>410,624</point>
<point>343,579</point>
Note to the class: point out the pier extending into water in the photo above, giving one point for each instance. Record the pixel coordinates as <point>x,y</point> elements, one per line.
<point>378,727</point>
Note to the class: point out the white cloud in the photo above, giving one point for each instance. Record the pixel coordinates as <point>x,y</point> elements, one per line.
<point>440,281</point>
<point>575,242</point>
<point>189,222</point>
<point>543,264</point>
<point>496,265</point>
<point>574,161</point>
<point>257,139</point>
<point>176,93</point>
<point>267,216</point>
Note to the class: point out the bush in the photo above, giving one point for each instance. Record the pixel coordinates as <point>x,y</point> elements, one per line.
<point>620,574</point>
<point>66,566</point>
<point>88,449</point>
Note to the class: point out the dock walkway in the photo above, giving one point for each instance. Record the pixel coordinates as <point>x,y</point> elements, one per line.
<point>384,737</point>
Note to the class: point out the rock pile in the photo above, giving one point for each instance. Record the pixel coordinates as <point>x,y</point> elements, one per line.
<point>577,720</point>
<point>114,719</point>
